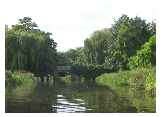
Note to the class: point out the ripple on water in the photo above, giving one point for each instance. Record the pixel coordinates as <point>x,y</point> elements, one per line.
<point>64,105</point>
<point>60,96</point>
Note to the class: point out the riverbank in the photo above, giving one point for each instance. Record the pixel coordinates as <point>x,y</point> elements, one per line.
<point>18,78</point>
<point>142,78</point>
<point>139,86</point>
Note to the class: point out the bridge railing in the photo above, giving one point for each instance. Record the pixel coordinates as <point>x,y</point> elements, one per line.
<point>63,68</point>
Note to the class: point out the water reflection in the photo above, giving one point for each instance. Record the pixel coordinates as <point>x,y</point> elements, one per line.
<point>64,105</point>
<point>58,97</point>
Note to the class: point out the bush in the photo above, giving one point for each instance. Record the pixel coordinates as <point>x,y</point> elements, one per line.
<point>18,78</point>
<point>146,56</point>
<point>138,78</point>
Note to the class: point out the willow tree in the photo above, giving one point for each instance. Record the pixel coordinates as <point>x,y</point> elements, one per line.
<point>96,47</point>
<point>30,49</point>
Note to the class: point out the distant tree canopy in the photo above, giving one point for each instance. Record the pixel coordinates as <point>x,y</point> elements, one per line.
<point>28,48</point>
<point>96,47</point>
<point>113,47</point>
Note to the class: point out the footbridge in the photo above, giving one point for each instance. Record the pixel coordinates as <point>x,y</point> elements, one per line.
<point>62,70</point>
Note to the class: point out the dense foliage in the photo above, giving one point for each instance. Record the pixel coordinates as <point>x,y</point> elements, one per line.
<point>30,49</point>
<point>129,34</point>
<point>146,56</point>
<point>96,47</point>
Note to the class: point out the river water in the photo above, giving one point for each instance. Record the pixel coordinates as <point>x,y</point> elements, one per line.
<point>57,96</point>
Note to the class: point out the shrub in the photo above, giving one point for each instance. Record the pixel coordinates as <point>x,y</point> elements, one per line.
<point>146,56</point>
<point>18,78</point>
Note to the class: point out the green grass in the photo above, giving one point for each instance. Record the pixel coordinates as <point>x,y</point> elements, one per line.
<point>143,78</point>
<point>138,85</point>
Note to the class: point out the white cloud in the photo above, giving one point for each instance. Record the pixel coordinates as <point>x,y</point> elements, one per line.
<point>71,21</point>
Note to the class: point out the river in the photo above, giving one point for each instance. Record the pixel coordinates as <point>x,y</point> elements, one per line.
<point>57,96</point>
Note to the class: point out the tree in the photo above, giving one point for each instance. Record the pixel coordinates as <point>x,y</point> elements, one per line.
<point>28,48</point>
<point>129,35</point>
<point>26,24</point>
<point>74,56</point>
<point>96,47</point>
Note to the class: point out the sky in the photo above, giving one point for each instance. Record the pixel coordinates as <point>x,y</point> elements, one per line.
<point>72,21</point>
